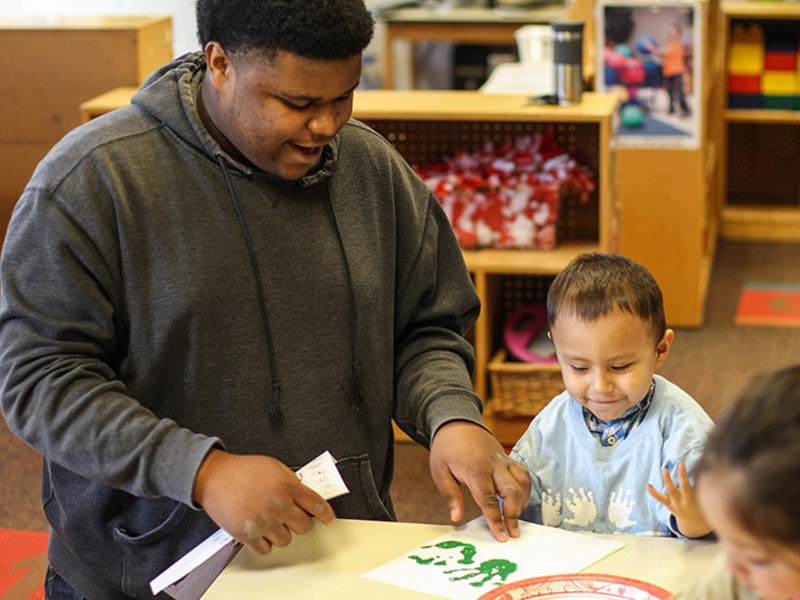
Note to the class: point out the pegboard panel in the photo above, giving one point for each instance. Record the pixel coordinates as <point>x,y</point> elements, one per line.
<point>763,164</point>
<point>422,142</point>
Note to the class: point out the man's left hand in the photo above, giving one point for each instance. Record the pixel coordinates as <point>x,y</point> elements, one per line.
<point>465,453</point>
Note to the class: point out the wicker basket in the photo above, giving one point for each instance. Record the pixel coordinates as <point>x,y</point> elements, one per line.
<point>522,389</point>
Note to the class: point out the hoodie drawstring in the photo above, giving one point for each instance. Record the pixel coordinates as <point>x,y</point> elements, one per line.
<point>274,406</point>
<point>358,386</point>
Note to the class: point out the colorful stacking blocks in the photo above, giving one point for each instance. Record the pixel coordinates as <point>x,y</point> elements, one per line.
<point>763,66</point>
<point>745,65</point>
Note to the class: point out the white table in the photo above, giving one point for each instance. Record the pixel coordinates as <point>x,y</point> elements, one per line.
<point>327,564</point>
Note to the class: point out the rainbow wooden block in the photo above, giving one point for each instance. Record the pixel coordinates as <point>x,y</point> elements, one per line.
<point>744,84</point>
<point>748,101</point>
<point>780,61</point>
<point>779,83</point>
<point>776,102</point>
<point>746,58</point>
<point>751,33</point>
<point>780,36</point>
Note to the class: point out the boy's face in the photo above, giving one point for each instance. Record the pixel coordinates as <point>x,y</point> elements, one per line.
<point>280,113</point>
<point>770,568</point>
<point>608,364</point>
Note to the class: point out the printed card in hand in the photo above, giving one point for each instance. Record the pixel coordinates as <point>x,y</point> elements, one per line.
<point>192,575</point>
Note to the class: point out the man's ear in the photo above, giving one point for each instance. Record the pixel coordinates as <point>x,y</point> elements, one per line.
<point>220,70</point>
<point>662,349</point>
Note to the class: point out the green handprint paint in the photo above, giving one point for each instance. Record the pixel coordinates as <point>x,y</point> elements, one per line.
<point>467,553</point>
<point>497,567</point>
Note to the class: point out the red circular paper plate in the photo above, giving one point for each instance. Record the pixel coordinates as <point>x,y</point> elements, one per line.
<point>583,586</point>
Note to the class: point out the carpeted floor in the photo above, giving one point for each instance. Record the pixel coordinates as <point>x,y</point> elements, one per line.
<point>712,363</point>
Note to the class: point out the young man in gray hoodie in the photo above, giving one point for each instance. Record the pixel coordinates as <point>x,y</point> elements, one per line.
<point>203,291</point>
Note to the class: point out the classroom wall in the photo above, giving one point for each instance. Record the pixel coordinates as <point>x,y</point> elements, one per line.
<point>181,11</point>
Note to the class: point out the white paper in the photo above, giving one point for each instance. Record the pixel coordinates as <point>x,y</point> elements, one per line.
<point>518,78</point>
<point>468,562</point>
<point>322,476</point>
<point>191,576</point>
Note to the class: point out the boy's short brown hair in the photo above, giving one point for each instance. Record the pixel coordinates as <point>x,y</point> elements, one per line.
<point>595,284</point>
<point>757,437</point>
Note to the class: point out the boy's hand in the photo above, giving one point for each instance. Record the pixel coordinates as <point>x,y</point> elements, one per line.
<point>682,503</point>
<point>464,453</point>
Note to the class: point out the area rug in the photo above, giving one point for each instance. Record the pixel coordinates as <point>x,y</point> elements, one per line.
<point>769,304</point>
<point>23,564</point>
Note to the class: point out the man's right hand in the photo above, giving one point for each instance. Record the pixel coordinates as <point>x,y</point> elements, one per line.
<point>257,499</point>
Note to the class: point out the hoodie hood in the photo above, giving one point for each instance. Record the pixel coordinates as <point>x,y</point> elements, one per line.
<point>180,80</point>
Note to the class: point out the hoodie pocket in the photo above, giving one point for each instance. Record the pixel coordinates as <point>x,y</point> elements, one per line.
<point>148,552</point>
<point>364,500</point>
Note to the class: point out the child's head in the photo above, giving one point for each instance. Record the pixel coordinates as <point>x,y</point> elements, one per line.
<point>748,484</point>
<point>606,318</point>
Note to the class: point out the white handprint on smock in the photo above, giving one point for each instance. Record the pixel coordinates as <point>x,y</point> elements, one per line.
<point>551,509</point>
<point>620,508</point>
<point>582,506</point>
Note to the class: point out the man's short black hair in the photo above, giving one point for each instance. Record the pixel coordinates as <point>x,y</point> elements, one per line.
<point>316,29</point>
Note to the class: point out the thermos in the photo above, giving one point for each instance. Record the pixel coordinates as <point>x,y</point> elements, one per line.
<point>568,62</point>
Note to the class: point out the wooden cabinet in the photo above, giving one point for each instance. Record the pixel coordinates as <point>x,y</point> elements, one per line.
<point>425,126</point>
<point>761,151</point>
<point>54,64</point>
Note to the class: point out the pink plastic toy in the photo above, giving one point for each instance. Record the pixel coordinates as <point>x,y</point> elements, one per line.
<point>522,332</point>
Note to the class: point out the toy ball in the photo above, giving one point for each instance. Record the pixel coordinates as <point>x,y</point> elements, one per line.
<point>650,68</point>
<point>633,72</point>
<point>611,76</point>
<point>614,59</point>
<point>623,49</point>
<point>525,335</point>
<point>632,116</point>
<point>644,43</point>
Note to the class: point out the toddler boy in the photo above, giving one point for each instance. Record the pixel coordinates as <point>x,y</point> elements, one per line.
<point>604,454</point>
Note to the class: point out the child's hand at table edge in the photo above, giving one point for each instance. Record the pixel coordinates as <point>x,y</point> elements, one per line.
<point>682,503</point>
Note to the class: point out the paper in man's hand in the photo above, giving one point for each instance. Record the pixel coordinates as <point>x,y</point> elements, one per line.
<point>192,575</point>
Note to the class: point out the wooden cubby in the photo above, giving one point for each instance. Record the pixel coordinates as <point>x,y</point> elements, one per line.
<point>426,126</point>
<point>760,150</point>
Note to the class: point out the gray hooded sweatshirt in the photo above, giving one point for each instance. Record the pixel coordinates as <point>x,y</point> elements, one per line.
<point>160,299</point>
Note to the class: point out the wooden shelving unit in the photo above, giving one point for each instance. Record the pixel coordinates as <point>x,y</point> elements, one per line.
<point>669,198</point>
<point>763,203</point>
<point>425,126</point>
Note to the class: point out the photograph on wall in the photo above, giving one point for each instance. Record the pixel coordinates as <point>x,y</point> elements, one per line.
<point>651,55</point>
